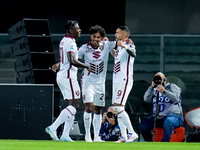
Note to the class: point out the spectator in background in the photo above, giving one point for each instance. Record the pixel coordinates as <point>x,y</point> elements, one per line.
<point>110,130</point>
<point>169,115</point>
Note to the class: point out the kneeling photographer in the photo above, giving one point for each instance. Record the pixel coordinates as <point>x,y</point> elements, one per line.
<point>110,130</point>
<point>167,110</point>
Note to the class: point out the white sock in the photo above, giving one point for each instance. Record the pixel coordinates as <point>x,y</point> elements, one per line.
<point>126,120</point>
<point>96,124</point>
<point>123,116</point>
<point>122,128</point>
<point>69,120</point>
<point>87,118</point>
<point>67,127</point>
<point>65,113</point>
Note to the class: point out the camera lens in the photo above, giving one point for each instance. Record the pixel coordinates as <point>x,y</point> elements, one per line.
<point>109,114</point>
<point>157,80</point>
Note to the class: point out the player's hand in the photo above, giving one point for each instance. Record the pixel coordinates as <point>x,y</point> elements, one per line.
<point>55,67</point>
<point>89,70</point>
<point>105,39</point>
<point>130,41</point>
<point>160,88</point>
<point>104,117</point>
<point>111,120</point>
<point>153,84</point>
<point>120,43</point>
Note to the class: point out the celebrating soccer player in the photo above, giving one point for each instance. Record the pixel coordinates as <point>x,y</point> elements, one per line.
<point>96,55</point>
<point>123,81</point>
<point>67,80</point>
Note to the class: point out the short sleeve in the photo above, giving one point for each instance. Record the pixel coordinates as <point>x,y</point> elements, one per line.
<point>81,52</point>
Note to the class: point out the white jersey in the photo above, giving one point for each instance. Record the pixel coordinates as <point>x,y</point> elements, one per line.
<point>123,66</point>
<point>97,59</point>
<point>67,45</point>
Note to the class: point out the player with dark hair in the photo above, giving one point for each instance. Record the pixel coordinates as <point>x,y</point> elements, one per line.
<point>123,81</point>
<point>95,53</point>
<point>67,80</point>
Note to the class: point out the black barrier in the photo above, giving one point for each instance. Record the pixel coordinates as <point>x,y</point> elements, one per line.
<point>26,110</point>
<point>34,51</point>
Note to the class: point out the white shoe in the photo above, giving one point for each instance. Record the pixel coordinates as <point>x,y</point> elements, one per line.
<point>52,133</point>
<point>131,137</point>
<point>88,138</point>
<point>98,139</point>
<point>121,140</point>
<point>66,139</point>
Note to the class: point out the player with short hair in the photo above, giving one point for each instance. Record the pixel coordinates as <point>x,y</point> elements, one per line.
<point>95,53</point>
<point>67,80</point>
<point>123,81</point>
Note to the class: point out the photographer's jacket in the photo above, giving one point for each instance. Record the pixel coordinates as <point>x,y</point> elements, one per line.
<point>170,101</point>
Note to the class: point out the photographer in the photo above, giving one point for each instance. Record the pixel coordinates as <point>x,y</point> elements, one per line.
<point>110,130</point>
<point>167,110</point>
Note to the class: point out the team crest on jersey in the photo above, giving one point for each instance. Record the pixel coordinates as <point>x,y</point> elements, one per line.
<point>101,47</point>
<point>96,54</point>
<point>77,93</point>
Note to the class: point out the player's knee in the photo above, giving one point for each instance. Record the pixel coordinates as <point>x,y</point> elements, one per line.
<point>97,110</point>
<point>118,109</point>
<point>88,108</point>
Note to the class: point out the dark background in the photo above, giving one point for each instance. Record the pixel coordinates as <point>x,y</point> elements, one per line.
<point>142,16</point>
<point>87,13</point>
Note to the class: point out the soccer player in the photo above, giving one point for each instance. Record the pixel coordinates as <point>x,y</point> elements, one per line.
<point>123,81</point>
<point>96,55</point>
<point>67,80</point>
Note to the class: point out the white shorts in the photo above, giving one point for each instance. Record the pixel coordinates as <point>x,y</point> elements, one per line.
<point>94,93</point>
<point>69,87</point>
<point>120,92</point>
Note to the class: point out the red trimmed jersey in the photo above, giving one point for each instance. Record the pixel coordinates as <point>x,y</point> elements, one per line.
<point>97,59</point>
<point>67,45</point>
<point>123,65</point>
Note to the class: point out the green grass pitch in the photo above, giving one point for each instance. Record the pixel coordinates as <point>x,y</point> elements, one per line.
<point>82,145</point>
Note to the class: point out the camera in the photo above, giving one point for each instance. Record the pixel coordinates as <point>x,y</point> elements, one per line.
<point>158,80</point>
<point>110,114</point>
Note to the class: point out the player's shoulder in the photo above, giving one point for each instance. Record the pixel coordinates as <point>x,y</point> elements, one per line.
<point>68,40</point>
<point>131,45</point>
<point>84,47</point>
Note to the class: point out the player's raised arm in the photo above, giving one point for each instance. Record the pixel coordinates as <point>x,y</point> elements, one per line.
<point>130,51</point>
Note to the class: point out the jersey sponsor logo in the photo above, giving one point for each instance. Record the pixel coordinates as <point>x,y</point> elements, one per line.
<point>116,53</point>
<point>96,54</point>
<point>116,67</point>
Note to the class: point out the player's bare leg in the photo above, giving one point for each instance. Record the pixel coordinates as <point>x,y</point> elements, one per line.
<point>87,118</point>
<point>97,123</point>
